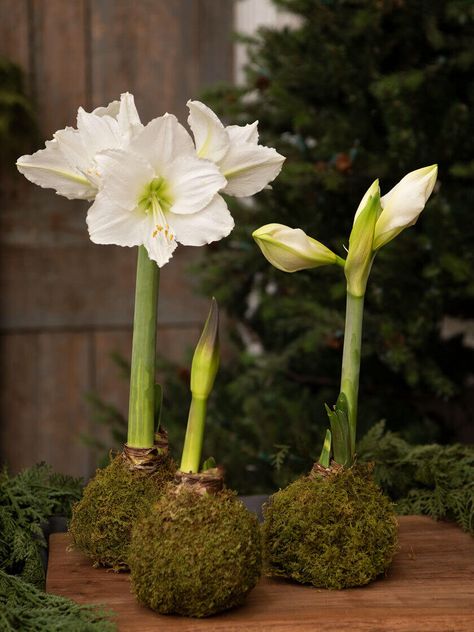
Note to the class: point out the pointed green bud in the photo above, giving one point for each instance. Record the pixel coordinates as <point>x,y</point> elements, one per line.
<point>360,255</point>
<point>290,249</point>
<point>206,356</point>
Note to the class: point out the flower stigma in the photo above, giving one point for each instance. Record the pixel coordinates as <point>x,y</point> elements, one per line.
<point>157,200</point>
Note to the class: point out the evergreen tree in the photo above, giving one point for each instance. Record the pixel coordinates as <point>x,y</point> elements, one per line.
<point>361,89</point>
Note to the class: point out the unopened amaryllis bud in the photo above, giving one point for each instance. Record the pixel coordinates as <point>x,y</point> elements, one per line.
<point>291,249</point>
<point>206,356</point>
<point>402,205</point>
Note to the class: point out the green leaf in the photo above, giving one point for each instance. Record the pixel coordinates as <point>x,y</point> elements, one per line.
<point>325,457</point>
<point>340,431</point>
<point>209,464</point>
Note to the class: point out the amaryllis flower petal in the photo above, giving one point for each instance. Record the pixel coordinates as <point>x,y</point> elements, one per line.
<point>211,224</point>
<point>48,169</point>
<point>125,176</point>
<point>212,141</point>
<point>128,120</point>
<point>402,205</point>
<point>109,223</point>
<point>161,141</point>
<point>125,112</point>
<point>159,247</point>
<point>192,183</point>
<point>98,132</point>
<point>249,168</point>
<point>243,133</point>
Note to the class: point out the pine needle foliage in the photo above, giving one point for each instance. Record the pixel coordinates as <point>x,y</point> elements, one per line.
<point>26,503</point>
<point>432,480</point>
<point>27,609</point>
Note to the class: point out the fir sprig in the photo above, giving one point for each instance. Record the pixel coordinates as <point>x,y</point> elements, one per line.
<point>433,480</point>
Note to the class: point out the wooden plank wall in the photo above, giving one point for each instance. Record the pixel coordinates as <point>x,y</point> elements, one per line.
<point>67,303</point>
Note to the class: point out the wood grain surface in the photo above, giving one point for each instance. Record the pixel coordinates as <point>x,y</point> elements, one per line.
<point>428,588</point>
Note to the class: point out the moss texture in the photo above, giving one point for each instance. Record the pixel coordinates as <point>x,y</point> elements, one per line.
<point>102,521</point>
<point>331,532</point>
<point>195,555</point>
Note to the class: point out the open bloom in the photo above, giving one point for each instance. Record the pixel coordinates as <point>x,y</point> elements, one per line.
<point>247,166</point>
<point>68,164</point>
<point>290,249</point>
<point>157,192</point>
<point>402,205</point>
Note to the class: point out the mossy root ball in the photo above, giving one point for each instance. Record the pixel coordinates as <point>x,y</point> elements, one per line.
<point>195,555</point>
<point>332,532</point>
<point>102,520</point>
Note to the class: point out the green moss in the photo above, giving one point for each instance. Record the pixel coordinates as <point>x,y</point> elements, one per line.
<point>102,521</point>
<point>332,532</point>
<point>195,555</point>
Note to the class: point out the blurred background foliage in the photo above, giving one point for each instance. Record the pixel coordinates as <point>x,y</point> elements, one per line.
<point>18,130</point>
<point>359,90</point>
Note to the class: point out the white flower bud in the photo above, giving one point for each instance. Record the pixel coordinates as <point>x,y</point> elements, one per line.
<point>290,249</point>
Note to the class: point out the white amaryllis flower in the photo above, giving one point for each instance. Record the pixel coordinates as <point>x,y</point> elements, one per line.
<point>290,249</point>
<point>67,164</point>
<point>402,205</point>
<point>157,192</point>
<point>247,166</point>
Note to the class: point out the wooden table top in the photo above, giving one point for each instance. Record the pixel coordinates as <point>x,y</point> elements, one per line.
<point>429,587</point>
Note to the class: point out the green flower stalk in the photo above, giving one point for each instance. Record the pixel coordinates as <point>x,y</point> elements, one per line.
<point>203,374</point>
<point>377,221</point>
<point>141,415</point>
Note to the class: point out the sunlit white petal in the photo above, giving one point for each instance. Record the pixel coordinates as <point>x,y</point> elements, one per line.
<point>159,248</point>
<point>124,175</point>
<point>127,117</point>
<point>212,141</point>
<point>211,224</point>
<point>249,168</point>
<point>243,133</point>
<point>109,223</point>
<point>161,141</point>
<point>98,132</point>
<point>48,169</point>
<point>193,183</point>
<point>112,109</point>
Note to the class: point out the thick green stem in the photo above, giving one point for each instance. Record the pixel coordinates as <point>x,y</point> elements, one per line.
<point>142,378</point>
<point>194,435</point>
<point>351,360</point>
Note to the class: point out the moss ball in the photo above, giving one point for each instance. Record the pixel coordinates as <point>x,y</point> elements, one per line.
<point>332,532</point>
<point>102,520</point>
<point>195,555</point>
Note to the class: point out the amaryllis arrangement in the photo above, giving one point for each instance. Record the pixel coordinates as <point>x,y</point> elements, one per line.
<point>334,528</point>
<point>151,186</point>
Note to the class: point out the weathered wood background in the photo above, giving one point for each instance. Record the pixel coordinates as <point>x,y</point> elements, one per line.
<point>67,303</point>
